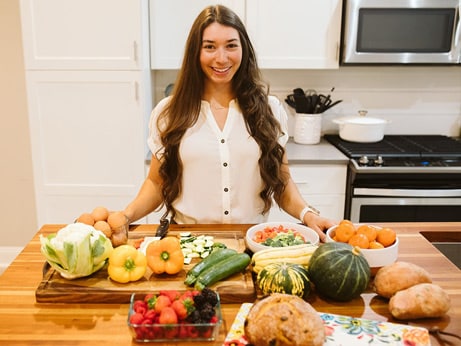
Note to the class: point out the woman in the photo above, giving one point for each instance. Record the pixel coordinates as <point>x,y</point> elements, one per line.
<point>218,141</point>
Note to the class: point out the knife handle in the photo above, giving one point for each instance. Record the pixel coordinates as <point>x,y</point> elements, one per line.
<point>162,229</point>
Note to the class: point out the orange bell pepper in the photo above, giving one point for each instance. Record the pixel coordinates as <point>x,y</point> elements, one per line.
<point>165,256</point>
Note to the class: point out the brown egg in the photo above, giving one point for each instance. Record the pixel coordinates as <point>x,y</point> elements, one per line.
<point>104,227</point>
<point>100,214</point>
<point>116,220</point>
<point>86,218</point>
<point>118,239</point>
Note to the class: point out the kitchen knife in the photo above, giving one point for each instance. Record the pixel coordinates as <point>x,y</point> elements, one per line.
<point>162,228</point>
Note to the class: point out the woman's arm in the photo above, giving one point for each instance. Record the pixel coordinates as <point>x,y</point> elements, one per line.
<point>149,196</point>
<point>293,203</point>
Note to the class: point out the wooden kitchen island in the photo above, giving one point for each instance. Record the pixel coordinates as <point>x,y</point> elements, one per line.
<point>26,322</point>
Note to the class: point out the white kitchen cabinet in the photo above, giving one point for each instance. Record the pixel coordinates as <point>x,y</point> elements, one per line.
<point>170,23</point>
<point>87,141</point>
<point>89,98</point>
<point>83,34</point>
<point>295,34</point>
<point>322,186</point>
<point>292,34</point>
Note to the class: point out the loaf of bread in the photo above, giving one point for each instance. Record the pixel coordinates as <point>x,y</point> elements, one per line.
<point>284,320</point>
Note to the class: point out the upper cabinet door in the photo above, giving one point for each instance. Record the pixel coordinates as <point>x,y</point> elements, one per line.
<point>83,34</point>
<point>295,34</point>
<point>170,23</point>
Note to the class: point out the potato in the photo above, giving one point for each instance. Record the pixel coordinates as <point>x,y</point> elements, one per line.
<point>419,301</point>
<point>399,276</point>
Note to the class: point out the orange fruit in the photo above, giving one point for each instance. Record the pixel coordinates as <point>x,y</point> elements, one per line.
<point>359,240</point>
<point>344,232</point>
<point>375,245</point>
<point>386,236</point>
<point>370,231</point>
<point>346,222</point>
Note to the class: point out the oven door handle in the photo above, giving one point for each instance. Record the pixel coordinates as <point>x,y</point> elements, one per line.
<point>359,191</point>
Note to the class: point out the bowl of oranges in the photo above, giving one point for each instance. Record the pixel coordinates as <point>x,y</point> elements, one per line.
<point>379,245</point>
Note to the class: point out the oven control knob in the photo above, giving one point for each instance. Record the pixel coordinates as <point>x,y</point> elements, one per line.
<point>379,161</point>
<point>363,160</point>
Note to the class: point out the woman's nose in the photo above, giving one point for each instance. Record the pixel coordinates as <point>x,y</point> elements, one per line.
<point>221,55</point>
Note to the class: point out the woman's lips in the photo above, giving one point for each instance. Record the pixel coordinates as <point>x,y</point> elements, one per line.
<point>221,70</point>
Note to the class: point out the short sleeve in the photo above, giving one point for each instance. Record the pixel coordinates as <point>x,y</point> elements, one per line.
<point>281,115</point>
<point>153,140</point>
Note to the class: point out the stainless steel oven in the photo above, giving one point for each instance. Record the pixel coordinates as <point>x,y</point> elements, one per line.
<point>403,179</point>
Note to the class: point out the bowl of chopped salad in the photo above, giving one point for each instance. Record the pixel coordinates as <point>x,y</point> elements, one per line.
<point>279,234</point>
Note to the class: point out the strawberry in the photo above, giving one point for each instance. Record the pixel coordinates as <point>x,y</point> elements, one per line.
<point>160,303</point>
<point>183,307</point>
<point>150,314</point>
<point>193,332</point>
<point>140,306</point>
<point>172,294</point>
<point>168,316</point>
<point>136,318</point>
<point>183,332</point>
<point>148,297</point>
<point>171,332</point>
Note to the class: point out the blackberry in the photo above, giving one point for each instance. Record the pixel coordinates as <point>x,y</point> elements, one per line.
<point>210,296</point>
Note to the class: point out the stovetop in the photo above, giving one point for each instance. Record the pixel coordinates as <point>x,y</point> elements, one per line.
<point>403,151</point>
<point>401,146</point>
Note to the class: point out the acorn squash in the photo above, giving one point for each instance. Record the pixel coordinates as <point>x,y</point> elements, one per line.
<point>289,278</point>
<point>339,271</point>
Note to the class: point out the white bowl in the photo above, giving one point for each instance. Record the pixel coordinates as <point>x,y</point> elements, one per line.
<point>376,258</point>
<point>308,233</point>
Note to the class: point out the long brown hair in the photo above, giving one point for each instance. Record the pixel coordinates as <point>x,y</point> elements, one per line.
<point>252,96</point>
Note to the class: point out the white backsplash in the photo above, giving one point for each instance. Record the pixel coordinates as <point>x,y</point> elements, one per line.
<point>416,100</point>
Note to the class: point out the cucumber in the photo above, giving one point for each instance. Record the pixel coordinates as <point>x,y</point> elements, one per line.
<point>210,261</point>
<point>225,268</point>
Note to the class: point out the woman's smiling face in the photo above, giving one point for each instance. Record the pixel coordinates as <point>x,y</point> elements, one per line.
<point>221,53</point>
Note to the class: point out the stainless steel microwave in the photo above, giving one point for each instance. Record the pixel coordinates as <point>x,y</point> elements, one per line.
<point>401,32</point>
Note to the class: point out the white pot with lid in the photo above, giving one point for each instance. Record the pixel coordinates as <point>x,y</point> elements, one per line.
<point>361,128</point>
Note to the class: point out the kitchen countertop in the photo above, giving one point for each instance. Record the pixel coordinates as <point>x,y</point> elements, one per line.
<point>321,153</point>
<point>25,322</point>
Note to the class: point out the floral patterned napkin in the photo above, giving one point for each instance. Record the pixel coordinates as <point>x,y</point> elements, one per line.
<point>346,331</point>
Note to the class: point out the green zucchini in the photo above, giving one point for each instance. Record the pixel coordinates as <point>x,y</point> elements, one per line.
<point>225,268</point>
<point>211,260</point>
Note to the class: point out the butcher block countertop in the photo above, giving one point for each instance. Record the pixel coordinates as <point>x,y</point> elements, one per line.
<point>24,321</point>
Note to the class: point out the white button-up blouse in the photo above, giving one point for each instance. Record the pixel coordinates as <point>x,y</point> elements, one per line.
<point>221,179</point>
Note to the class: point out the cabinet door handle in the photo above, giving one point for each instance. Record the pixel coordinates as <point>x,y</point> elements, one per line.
<point>135,51</point>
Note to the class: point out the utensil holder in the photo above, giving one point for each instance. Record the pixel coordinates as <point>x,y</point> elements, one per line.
<point>308,128</point>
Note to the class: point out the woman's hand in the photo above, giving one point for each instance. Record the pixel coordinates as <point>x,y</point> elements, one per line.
<point>318,224</point>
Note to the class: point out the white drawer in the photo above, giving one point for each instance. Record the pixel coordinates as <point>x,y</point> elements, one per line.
<point>319,179</point>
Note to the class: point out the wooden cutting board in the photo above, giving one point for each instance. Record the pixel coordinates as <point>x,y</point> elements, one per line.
<point>98,288</point>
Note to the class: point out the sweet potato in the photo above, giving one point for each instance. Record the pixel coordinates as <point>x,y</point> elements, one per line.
<point>419,301</point>
<point>398,276</point>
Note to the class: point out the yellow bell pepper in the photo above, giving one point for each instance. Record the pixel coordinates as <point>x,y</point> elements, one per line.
<point>126,264</point>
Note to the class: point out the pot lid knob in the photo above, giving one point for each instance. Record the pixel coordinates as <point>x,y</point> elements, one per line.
<point>362,113</point>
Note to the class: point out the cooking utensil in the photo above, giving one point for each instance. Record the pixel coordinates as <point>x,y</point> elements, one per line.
<point>302,105</point>
<point>361,128</point>
<point>330,105</point>
<point>290,100</point>
<point>162,228</point>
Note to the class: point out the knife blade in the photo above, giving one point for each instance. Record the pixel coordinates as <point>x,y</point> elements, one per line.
<point>162,228</point>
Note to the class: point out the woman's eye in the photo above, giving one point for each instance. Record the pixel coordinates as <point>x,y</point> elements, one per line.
<point>208,46</point>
